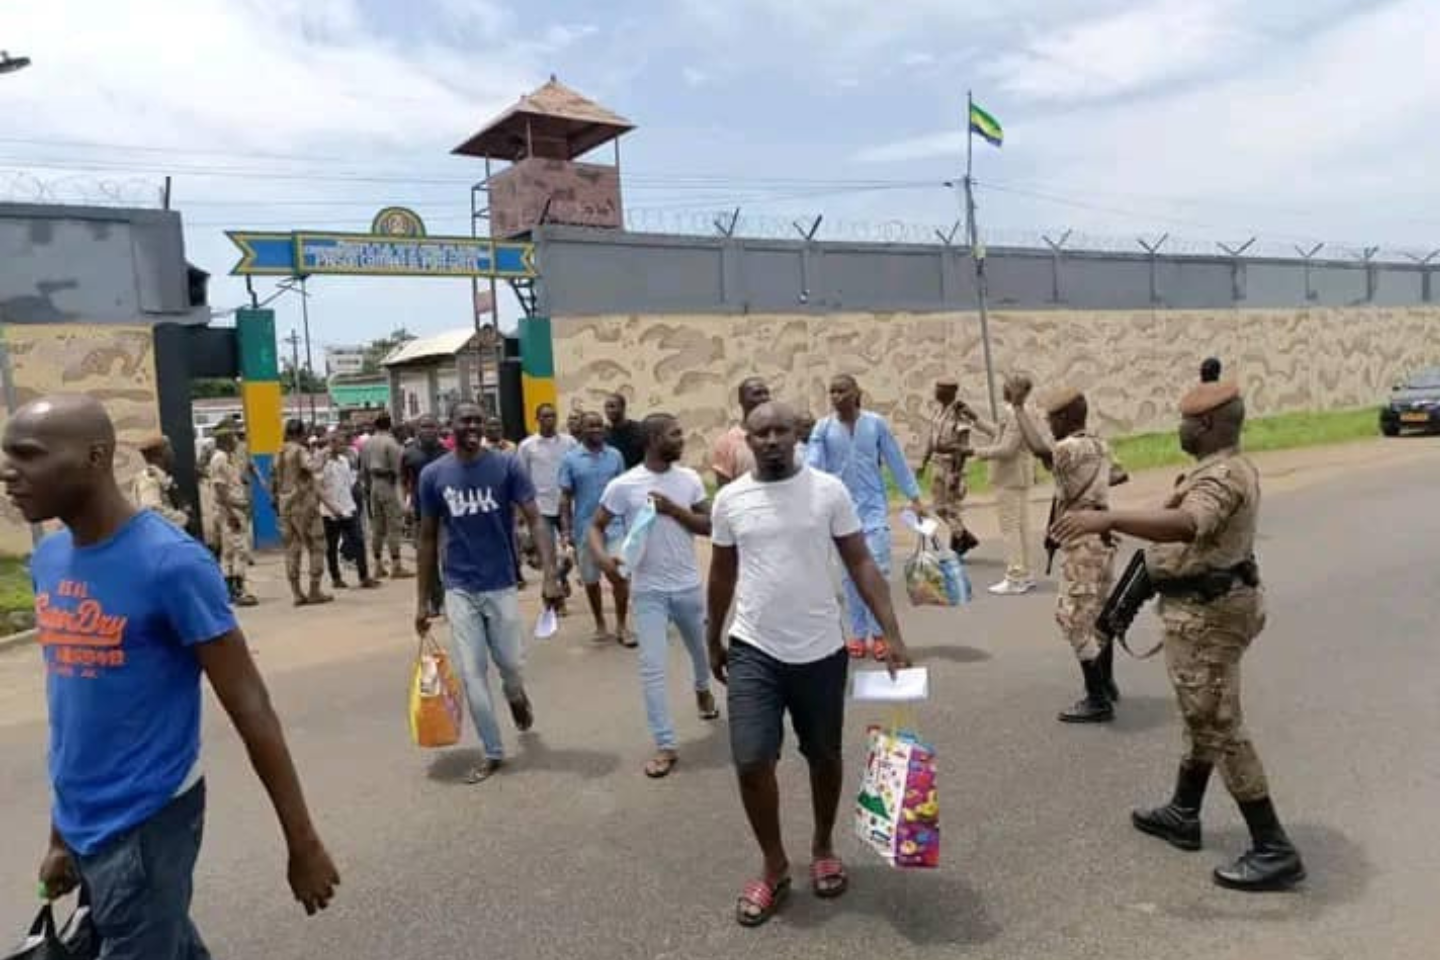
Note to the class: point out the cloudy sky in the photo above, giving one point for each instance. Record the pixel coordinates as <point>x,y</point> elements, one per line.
<point>1295,120</point>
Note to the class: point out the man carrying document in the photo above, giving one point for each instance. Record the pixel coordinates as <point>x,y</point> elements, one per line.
<point>773,530</point>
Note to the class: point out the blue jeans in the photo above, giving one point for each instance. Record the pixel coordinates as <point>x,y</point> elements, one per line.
<point>140,885</point>
<point>484,626</point>
<point>863,624</point>
<point>655,610</point>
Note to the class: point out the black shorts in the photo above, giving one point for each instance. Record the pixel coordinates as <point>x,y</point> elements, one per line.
<point>761,689</point>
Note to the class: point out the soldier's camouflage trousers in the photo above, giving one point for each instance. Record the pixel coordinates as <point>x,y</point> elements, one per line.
<point>234,548</point>
<point>303,532</point>
<point>1203,647</point>
<point>1086,575</point>
<point>387,519</point>
<point>947,494</point>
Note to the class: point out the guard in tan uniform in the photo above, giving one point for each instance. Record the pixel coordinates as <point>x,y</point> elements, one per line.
<point>153,488</point>
<point>231,497</point>
<point>1202,563</point>
<point>381,460</point>
<point>1081,464</point>
<point>949,447</point>
<point>1012,474</point>
<point>297,494</point>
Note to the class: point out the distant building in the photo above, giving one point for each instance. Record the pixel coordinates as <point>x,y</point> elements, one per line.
<point>366,392</point>
<point>431,374</point>
<point>344,361</point>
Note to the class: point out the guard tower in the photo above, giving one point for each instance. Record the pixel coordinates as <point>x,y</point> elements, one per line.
<point>542,138</point>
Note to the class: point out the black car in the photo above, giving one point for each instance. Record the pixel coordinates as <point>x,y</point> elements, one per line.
<point>1414,404</point>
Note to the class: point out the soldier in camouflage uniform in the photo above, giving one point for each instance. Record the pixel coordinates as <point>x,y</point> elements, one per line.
<point>1202,563</point>
<point>153,488</point>
<point>381,460</point>
<point>230,491</point>
<point>1082,465</point>
<point>297,495</point>
<point>949,447</point>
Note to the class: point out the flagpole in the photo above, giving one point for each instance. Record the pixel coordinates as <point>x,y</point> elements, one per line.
<point>977,255</point>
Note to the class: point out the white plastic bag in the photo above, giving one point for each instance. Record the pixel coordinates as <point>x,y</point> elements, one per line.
<point>632,548</point>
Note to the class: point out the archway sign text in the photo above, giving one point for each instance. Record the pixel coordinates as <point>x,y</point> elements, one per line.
<point>396,246</point>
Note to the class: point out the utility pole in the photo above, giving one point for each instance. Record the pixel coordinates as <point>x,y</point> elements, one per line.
<point>305,319</point>
<point>294,341</point>
<point>977,254</point>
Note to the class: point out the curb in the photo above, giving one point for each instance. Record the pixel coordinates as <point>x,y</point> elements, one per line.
<point>20,639</point>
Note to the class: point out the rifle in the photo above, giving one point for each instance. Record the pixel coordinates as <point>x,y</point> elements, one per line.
<point>1131,592</point>
<point>1051,544</point>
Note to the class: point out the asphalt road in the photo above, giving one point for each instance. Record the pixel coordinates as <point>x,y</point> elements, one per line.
<point>573,853</point>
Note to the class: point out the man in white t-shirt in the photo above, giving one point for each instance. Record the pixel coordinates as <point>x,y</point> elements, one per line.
<point>541,454</point>
<point>665,584</point>
<point>774,529</point>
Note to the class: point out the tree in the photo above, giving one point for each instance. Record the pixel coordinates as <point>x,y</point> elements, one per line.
<point>378,350</point>
<point>206,389</point>
<point>309,383</point>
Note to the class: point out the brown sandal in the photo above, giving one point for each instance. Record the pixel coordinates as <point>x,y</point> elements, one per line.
<point>487,769</point>
<point>705,701</point>
<point>660,765</point>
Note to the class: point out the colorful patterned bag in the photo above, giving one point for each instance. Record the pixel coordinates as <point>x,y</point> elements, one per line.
<point>897,813</point>
<point>436,702</point>
<point>935,576</point>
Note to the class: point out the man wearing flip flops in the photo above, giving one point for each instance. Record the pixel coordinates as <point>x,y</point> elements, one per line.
<point>852,444</point>
<point>665,584</point>
<point>773,533</point>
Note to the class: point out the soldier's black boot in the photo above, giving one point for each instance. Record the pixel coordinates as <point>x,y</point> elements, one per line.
<point>1107,671</point>
<point>1095,707</point>
<point>1271,863</point>
<point>1178,822</point>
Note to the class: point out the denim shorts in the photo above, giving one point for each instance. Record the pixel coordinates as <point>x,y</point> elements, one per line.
<point>761,689</point>
<point>140,885</point>
<point>589,567</point>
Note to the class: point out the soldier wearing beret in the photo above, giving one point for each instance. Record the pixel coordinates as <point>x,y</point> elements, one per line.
<point>153,488</point>
<point>1203,566</point>
<point>1082,467</point>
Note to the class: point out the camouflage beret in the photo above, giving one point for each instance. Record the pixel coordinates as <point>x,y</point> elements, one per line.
<point>1205,397</point>
<point>1059,398</point>
<point>155,441</point>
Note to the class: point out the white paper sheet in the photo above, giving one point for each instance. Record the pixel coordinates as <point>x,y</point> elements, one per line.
<point>547,624</point>
<point>926,527</point>
<point>909,685</point>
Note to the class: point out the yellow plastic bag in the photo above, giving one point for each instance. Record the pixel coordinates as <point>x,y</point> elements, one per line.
<point>436,703</point>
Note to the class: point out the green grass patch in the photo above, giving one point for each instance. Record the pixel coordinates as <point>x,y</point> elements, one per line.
<point>15,592</point>
<point>1150,451</point>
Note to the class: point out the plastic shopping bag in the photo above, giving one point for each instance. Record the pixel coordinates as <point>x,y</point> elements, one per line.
<point>935,576</point>
<point>436,703</point>
<point>76,940</point>
<point>632,548</point>
<point>897,813</point>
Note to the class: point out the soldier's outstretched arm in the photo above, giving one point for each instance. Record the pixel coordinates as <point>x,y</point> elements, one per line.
<point>1034,439</point>
<point>1157,526</point>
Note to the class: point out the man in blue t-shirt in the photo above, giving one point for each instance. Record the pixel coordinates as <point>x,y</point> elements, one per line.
<point>474,493</point>
<point>583,475</point>
<point>130,611</point>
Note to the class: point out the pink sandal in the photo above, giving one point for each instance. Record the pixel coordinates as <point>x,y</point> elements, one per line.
<point>828,878</point>
<point>760,900</point>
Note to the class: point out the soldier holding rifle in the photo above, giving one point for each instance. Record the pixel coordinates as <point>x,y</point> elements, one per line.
<point>1202,564</point>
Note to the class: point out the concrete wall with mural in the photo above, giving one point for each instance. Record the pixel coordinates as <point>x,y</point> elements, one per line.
<point>114,363</point>
<point>1133,363</point>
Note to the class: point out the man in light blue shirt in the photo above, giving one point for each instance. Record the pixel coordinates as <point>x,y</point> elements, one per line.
<point>851,444</point>
<point>584,472</point>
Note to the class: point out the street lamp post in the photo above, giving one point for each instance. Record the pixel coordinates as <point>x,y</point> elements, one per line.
<point>9,64</point>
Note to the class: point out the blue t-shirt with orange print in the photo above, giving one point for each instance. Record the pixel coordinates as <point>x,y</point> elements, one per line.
<point>118,621</point>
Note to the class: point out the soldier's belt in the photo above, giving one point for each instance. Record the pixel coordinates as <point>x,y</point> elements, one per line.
<point>1210,585</point>
<point>383,475</point>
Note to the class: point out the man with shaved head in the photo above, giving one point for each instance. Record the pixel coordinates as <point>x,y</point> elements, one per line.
<point>731,458</point>
<point>1202,563</point>
<point>774,530</point>
<point>130,612</point>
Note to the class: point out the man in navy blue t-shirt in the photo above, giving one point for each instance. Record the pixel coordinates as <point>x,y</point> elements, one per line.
<point>474,493</point>
<point>130,611</point>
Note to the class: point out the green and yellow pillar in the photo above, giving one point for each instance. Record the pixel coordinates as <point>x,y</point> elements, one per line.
<point>537,367</point>
<point>263,404</point>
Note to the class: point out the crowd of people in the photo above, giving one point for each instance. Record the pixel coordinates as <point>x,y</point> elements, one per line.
<point>797,589</point>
